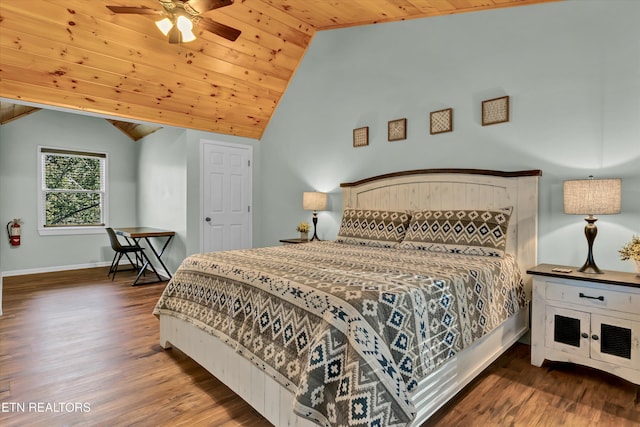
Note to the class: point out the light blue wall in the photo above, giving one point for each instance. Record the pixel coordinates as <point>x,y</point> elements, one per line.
<point>571,69</point>
<point>169,186</point>
<point>154,182</point>
<point>19,142</point>
<point>162,189</point>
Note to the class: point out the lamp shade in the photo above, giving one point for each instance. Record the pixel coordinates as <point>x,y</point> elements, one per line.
<point>314,201</point>
<point>592,196</point>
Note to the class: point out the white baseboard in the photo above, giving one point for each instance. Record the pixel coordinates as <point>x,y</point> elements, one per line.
<point>54,269</point>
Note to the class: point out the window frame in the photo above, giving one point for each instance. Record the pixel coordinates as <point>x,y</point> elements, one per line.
<point>71,229</point>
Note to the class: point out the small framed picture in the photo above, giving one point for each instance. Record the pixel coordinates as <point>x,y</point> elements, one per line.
<point>495,111</point>
<point>441,121</point>
<point>397,130</point>
<point>361,136</point>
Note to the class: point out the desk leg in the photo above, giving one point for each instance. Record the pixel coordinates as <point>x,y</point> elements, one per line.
<point>147,263</point>
<point>159,254</point>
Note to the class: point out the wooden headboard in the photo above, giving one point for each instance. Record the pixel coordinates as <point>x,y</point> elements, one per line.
<point>459,189</point>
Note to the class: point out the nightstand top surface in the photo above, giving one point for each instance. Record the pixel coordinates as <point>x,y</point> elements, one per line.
<point>608,276</point>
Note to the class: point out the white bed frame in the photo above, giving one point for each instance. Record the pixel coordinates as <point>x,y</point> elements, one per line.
<point>410,190</point>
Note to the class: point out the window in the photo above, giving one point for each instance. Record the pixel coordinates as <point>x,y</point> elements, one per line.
<point>73,191</point>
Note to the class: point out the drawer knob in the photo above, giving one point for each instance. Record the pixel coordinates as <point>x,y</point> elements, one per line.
<point>595,337</point>
<point>600,298</point>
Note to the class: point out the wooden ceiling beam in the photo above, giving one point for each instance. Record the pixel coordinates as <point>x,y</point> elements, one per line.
<point>134,131</point>
<point>10,112</point>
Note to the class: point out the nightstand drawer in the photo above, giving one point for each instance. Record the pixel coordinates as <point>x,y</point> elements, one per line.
<point>593,297</point>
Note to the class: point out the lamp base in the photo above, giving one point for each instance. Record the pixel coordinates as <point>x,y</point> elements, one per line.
<point>590,269</point>
<point>315,226</point>
<point>590,231</point>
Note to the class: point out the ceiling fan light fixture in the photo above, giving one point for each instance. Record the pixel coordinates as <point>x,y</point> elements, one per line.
<point>178,17</point>
<point>185,26</point>
<point>188,36</point>
<point>164,25</point>
<point>174,35</point>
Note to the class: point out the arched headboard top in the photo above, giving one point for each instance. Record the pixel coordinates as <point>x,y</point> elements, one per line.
<point>459,189</point>
<point>489,172</point>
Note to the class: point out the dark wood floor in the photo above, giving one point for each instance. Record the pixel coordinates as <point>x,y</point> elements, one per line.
<point>78,349</point>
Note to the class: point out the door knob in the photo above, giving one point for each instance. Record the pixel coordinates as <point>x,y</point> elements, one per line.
<point>207,219</point>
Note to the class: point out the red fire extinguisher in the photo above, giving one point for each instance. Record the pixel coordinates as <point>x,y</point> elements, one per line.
<point>13,231</point>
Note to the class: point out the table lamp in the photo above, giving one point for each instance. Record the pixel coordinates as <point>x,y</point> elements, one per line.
<point>314,201</point>
<point>592,197</point>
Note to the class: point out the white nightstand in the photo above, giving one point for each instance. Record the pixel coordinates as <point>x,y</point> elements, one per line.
<point>589,319</point>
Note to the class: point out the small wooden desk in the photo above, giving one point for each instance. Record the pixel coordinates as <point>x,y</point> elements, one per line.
<point>138,233</point>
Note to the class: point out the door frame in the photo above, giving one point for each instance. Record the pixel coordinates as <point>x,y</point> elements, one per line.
<point>201,216</point>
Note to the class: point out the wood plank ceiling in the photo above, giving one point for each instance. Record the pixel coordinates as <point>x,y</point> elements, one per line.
<point>77,54</point>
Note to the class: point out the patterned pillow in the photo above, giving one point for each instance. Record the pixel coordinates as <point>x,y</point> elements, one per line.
<point>373,228</point>
<point>471,232</point>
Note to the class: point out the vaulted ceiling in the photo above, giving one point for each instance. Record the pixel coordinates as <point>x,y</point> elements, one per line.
<point>78,54</point>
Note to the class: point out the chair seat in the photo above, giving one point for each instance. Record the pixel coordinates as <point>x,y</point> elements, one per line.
<point>125,250</point>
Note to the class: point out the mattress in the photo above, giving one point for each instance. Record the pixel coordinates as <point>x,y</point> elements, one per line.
<point>350,330</point>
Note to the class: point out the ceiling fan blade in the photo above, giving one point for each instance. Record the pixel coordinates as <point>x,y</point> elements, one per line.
<point>143,10</point>
<point>201,6</point>
<point>219,29</point>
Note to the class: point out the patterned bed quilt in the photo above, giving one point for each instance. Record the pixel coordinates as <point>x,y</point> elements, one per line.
<point>349,330</point>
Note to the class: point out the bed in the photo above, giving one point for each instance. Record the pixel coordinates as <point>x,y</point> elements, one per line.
<point>381,326</point>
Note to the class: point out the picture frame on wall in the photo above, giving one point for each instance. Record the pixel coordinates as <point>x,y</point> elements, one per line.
<point>361,136</point>
<point>495,111</point>
<point>441,121</point>
<point>397,130</point>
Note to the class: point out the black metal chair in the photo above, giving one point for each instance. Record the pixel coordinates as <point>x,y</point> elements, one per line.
<point>125,250</point>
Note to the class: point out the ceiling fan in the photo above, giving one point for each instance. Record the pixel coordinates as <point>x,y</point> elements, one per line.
<point>181,16</point>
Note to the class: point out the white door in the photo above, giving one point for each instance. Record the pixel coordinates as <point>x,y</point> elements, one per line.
<point>226,196</point>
